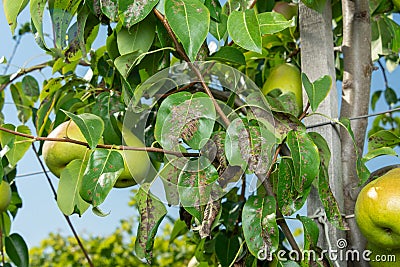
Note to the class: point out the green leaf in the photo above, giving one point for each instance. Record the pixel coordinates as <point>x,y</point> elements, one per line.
<point>17,250</point>
<point>318,90</point>
<point>244,29</point>
<point>273,22</point>
<point>317,5</point>
<point>362,170</point>
<point>133,12</point>
<point>61,13</point>
<point>311,233</point>
<point>68,198</point>
<point>390,96</point>
<point>180,228</point>
<point>4,79</point>
<point>105,106</point>
<point>102,171</point>
<point>189,20</point>
<point>152,212</point>
<point>374,98</point>
<point>381,39</point>
<point>226,248</point>
<point>11,10</point>
<point>323,148</point>
<point>215,9</point>
<point>305,158</point>
<point>15,145</point>
<point>328,200</point>
<point>259,225</point>
<point>23,103</point>
<point>91,126</point>
<point>229,54</point>
<point>30,87</point>
<point>383,138</point>
<point>187,116</point>
<point>382,151</point>
<point>219,29</point>
<point>138,38</point>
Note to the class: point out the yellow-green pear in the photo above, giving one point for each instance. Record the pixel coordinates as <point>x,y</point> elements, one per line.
<point>57,155</point>
<point>137,163</point>
<point>5,195</point>
<point>377,211</point>
<point>382,257</point>
<point>285,77</point>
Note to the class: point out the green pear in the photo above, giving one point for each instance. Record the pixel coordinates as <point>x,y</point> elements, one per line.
<point>285,77</point>
<point>57,155</point>
<point>377,210</point>
<point>382,257</point>
<point>137,163</point>
<point>5,195</point>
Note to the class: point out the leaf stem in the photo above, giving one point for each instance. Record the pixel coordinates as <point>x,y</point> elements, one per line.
<point>71,226</point>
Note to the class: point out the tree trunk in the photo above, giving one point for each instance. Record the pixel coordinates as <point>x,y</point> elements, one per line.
<point>317,59</point>
<point>355,100</point>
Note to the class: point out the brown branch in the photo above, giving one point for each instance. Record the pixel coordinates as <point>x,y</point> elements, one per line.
<point>71,226</point>
<point>68,140</point>
<point>183,54</point>
<point>22,72</point>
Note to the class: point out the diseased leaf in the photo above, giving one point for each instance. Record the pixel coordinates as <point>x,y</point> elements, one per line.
<point>311,233</point>
<point>323,148</point>
<point>383,138</point>
<point>61,13</point>
<point>15,145</point>
<point>30,87</point>
<point>286,122</point>
<point>91,126</point>
<point>244,29</point>
<point>187,116</point>
<point>12,8</point>
<point>68,198</point>
<point>259,225</point>
<point>133,12</point>
<point>318,90</point>
<point>170,174</point>
<point>211,212</point>
<point>328,200</point>
<point>17,250</point>
<point>286,193</point>
<point>273,22</point>
<point>305,159</point>
<point>102,171</point>
<point>197,184</point>
<point>110,8</point>
<point>189,20</point>
<point>383,151</point>
<point>152,212</point>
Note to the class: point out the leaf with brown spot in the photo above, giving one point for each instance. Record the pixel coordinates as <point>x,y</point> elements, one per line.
<point>305,157</point>
<point>328,200</point>
<point>259,224</point>
<point>102,171</point>
<point>152,212</point>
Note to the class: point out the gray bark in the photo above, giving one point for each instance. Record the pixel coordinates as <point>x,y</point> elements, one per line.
<point>355,100</point>
<point>317,59</point>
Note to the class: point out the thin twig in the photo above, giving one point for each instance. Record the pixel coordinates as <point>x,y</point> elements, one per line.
<point>24,71</point>
<point>68,140</point>
<point>18,41</point>
<point>71,226</point>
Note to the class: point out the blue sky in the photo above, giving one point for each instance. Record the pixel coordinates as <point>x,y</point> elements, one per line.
<point>40,214</point>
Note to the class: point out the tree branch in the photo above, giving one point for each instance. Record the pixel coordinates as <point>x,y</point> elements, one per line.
<point>355,101</point>
<point>68,140</point>
<point>183,54</point>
